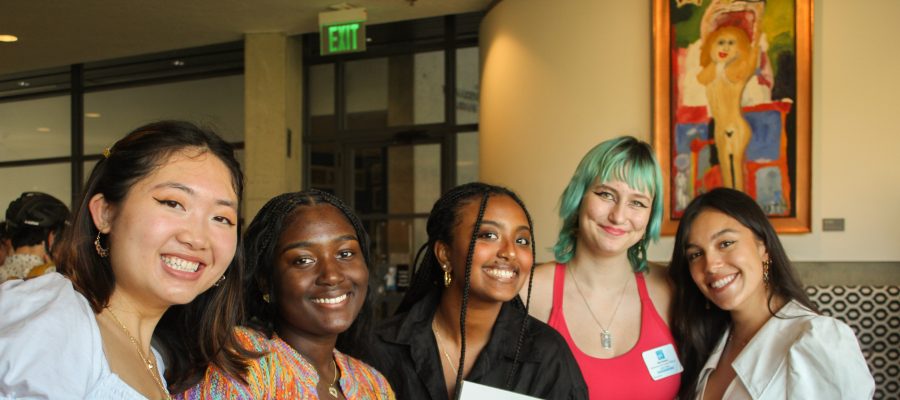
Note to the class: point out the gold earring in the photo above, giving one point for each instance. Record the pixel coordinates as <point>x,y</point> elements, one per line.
<point>103,253</point>
<point>766,265</point>
<point>266,297</point>
<point>447,278</point>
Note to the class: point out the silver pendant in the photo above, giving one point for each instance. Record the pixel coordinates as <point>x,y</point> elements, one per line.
<point>606,339</point>
<point>333,391</point>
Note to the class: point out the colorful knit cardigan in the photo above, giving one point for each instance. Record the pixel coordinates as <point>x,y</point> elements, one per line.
<point>282,373</point>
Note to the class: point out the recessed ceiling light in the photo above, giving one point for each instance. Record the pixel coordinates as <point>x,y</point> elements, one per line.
<point>178,63</point>
<point>92,115</point>
<point>24,84</point>
<point>43,129</point>
<point>8,38</point>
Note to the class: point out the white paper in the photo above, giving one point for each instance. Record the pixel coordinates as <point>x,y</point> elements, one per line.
<point>476,391</point>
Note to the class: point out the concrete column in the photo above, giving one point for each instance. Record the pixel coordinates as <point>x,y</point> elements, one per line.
<point>273,69</point>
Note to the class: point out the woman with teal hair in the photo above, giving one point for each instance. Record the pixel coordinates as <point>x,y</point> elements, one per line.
<point>600,293</point>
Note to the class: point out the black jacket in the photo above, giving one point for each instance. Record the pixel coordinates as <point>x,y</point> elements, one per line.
<point>405,351</point>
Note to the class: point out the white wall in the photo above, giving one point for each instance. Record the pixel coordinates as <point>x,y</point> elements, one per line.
<point>559,77</point>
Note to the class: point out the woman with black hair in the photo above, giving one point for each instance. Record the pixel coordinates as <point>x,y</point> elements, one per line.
<point>460,319</point>
<point>741,319</point>
<point>307,301</point>
<point>152,253</point>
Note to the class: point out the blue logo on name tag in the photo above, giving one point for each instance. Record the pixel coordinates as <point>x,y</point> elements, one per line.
<point>660,355</point>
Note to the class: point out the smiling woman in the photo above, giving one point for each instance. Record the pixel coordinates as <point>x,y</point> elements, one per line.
<point>307,298</point>
<point>743,323</point>
<point>604,297</point>
<point>154,233</point>
<point>461,318</point>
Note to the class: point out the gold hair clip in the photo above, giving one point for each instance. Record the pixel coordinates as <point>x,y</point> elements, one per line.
<point>106,152</point>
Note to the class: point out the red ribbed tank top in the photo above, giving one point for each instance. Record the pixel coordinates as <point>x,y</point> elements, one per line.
<point>625,376</point>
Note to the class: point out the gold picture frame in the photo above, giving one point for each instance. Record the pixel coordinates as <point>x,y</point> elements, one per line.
<point>713,124</point>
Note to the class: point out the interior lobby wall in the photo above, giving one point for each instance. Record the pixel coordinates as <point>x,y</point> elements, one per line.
<point>559,77</point>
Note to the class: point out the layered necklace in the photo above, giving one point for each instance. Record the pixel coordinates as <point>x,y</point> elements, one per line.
<point>606,338</point>
<point>149,362</point>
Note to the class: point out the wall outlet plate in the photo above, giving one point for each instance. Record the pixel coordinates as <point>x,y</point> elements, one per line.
<point>833,224</point>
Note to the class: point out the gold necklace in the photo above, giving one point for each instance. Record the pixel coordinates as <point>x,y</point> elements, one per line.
<point>332,388</point>
<point>151,365</point>
<point>605,336</point>
<point>440,347</point>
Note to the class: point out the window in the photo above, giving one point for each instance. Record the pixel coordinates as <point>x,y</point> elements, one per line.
<point>391,129</point>
<point>42,149</point>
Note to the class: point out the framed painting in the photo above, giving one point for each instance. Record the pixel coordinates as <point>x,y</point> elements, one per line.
<point>731,103</point>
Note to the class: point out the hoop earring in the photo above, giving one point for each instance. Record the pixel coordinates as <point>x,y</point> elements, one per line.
<point>103,253</point>
<point>447,278</point>
<point>766,265</point>
<point>220,281</point>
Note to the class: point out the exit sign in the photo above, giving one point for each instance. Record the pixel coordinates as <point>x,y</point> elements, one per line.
<point>342,31</point>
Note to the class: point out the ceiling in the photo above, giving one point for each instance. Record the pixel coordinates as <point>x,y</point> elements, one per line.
<point>58,33</point>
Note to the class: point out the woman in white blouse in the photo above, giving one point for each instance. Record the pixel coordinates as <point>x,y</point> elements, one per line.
<point>151,253</point>
<point>744,326</point>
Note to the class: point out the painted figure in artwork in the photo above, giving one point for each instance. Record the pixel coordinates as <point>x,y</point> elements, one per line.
<point>728,60</point>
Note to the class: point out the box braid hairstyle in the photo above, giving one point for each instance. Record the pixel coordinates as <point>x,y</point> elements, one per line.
<point>260,243</point>
<point>444,218</point>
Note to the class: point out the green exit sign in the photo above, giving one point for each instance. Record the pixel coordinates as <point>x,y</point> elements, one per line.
<point>344,38</point>
<point>342,31</point>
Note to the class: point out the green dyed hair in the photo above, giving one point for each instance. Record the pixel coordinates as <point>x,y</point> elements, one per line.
<point>625,159</point>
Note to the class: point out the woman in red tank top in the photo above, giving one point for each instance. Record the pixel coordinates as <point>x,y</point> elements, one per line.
<point>601,294</point>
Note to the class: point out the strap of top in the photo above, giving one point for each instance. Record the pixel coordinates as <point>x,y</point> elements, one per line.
<point>559,281</point>
<point>641,285</point>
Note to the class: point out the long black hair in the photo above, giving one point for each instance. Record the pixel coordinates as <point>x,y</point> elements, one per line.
<point>697,329</point>
<point>193,334</point>
<point>442,221</point>
<point>261,241</point>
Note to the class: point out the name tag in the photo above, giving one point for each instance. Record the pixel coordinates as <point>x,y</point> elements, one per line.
<point>662,362</point>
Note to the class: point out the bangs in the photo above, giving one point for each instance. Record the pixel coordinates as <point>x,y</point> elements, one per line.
<point>638,173</point>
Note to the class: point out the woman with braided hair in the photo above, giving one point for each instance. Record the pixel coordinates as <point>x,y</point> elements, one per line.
<point>461,320</point>
<point>307,300</point>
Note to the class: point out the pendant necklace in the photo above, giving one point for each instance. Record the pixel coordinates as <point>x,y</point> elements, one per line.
<point>147,361</point>
<point>332,388</point>
<point>605,336</point>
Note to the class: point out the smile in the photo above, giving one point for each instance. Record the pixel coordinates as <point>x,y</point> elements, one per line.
<point>723,54</point>
<point>613,231</point>
<point>501,274</point>
<point>331,300</point>
<point>180,264</point>
<point>720,283</point>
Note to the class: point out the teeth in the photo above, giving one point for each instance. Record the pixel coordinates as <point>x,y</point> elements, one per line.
<point>500,273</point>
<point>180,264</point>
<point>332,300</point>
<point>722,282</point>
